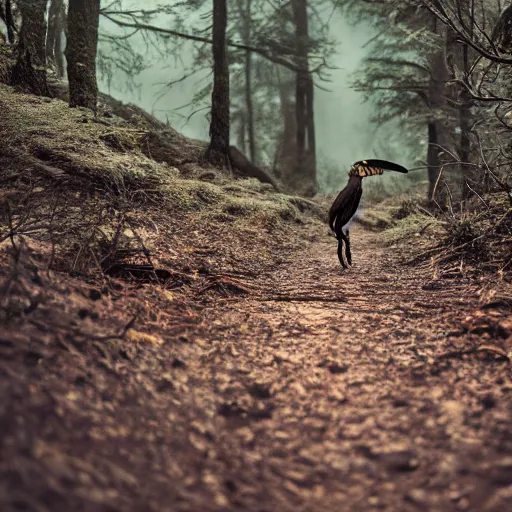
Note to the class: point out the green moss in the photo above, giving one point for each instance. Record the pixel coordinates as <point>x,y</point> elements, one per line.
<point>408,207</point>
<point>241,207</point>
<point>410,226</point>
<point>6,62</point>
<point>63,149</point>
<point>206,192</point>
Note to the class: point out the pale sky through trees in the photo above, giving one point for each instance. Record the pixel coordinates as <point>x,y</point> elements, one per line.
<point>343,128</point>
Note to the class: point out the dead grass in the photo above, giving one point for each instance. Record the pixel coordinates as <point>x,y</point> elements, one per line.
<point>83,187</point>
<point>476,238</point>
<point>5,62</point>
<point>72,140</point>
<point>416,225</point>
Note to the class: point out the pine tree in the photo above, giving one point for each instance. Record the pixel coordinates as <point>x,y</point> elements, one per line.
<point>30,70</point>
<point>56,23</point>
<point>81,50</point>
<point>218,150</point>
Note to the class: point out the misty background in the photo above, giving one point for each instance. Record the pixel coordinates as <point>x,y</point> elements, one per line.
<point>169,81</point>
<point>344,129</point>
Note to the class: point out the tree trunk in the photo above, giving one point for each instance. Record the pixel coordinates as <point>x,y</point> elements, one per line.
<point>437,102</point>
<point>248,81</point>
<point>286,158</point>
<point>81,49</point>
<point>465,111</point>
<point>218,150</point>
<point>311,153</point>
<point>433,161</point>
<point>306,151</point>
<point>300,120</point>
<point>9,21</point>
<point>249,106</point>
<point>241,138</point>
<point>464,143</point>
<point>29,71</point>
<point>56,17</point>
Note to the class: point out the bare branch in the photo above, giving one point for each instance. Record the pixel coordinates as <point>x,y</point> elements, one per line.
<point>399,62</point>
<point>169,32</point>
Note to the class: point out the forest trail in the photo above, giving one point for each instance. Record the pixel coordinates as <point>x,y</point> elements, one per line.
<point>348,407</point>
<point>319,390</point>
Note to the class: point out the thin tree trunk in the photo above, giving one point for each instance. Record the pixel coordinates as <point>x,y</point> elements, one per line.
<point>54,55</point>
<point>248,81</point>
<point>465,112</point>
<point>311,148</point>
<point>286,160</point>
<point>9,21</point>
<point>437,101</point>
<point>249,106</point>
<point>464,142</point>
<point>300,120</point>
<point>301,30</point>
<point>306,158</point>
<point>218,150</point>
<point>29,71</point>
<point>241,138</point>
<point>81,49</point>
<point>433,161</point>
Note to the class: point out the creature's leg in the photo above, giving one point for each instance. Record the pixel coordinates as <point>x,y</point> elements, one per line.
<point>342,238</point>
<point>340,253</point>
<point>347,249</point>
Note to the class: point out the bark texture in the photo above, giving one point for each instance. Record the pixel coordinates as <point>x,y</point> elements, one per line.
<point>433,161</point>
<point>286,157</point>
<point>56,21</point>
<point>306,146</point>
<point>8,19</point>
<point>218,150</point>
<point>437,101</point>
<point>29,71</point>
<point>81,50</point>
<point>248,81</point>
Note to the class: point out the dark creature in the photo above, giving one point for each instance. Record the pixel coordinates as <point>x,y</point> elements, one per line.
<point>345,205</point>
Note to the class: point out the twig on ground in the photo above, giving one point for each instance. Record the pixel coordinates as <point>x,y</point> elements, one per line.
<point>299,298</point>
<point>121,335</point>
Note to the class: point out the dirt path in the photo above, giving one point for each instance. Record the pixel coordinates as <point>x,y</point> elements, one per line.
<point>320,390</point>
<point>360,414</point>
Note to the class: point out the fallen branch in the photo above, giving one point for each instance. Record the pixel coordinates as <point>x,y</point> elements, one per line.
<point>242,164</point>
<point>121,335</point>
<point>455,250</point>
<point>301,298</point>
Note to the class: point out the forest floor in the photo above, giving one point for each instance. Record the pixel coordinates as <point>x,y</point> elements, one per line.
<point>302,388</point>
<point>173,339</point>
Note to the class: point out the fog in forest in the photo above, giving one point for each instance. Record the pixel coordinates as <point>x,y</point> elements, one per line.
<point>344,130</point>
<point>216,310</point>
